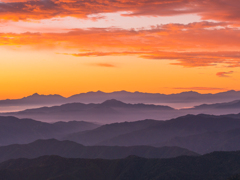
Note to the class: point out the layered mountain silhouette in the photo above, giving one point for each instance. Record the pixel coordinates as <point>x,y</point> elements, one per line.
<point>227,105</point>
<point>200,133</point>
<point>97,126</point>
<point>106,112</point>
<point>112,110</point>
<point>34,100</point>
<point>71,149</point>
<point>14,130</point>
<point>37,100</point>
<point>217,108</point>
<point>208,142</point>
<point>217,166</point>
<point>109,131</point>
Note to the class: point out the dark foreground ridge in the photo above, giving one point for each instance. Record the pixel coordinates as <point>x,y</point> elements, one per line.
<point>217,166</point>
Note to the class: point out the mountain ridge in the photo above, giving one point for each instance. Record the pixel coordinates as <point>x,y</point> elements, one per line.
<point>70,149</point>
<point>217,166</point>
<point>155,132</point>
<point>128,97</point>
<point>109,111</point>
<point>14,130</point>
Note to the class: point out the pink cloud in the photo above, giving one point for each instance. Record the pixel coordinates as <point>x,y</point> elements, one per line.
<point>191,45</point>
<point>200,88</point>
<point>224,74</point>
<point>108,65</point>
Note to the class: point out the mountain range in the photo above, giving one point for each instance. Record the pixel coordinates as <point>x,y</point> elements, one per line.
<point>97,126</point>
<point>217,166</point>
<point>71,149</point>
<point>106,112</point>
<point>208,142</point>
<point>111,111</point>
<point>200,133</point>
<point>109,131</point>
<point>14,130</point>
<point>185,98</point>
<point>217,108</point>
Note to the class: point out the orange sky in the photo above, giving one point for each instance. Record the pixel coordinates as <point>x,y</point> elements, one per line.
<point>161,46</point>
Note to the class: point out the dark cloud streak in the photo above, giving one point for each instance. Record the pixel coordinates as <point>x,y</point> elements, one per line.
<point>200,88</point>
<point>221,10</point>
<point>224,74</point>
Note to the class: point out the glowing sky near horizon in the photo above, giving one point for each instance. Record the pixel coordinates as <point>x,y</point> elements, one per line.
<point>160,46</point>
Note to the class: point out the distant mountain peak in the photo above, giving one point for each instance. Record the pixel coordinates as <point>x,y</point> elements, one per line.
<point>43,95</point>
<point>189,92</point>
<point>35,94</point>
<point>92,92</point>
<point>99,91</point>
<point>112,102</point>
<point>231,91</point>
<point>120,92</point>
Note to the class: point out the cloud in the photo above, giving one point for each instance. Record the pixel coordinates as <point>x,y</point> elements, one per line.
<point>187,59</point>
<point>201,88</point>
<point>96,54</point>
<point>224,74</point>
<point>195,59</point>
<point>190,45</point>
<point>108,65</point>
<point>220,10</point>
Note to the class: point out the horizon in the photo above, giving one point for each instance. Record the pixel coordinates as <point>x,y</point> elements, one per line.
<point>195,91</point>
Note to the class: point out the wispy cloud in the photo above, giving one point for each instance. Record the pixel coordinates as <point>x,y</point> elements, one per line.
<point>200,88</point>
<point>108,65</point>
<point>224,74</point>
<point>187,59</point>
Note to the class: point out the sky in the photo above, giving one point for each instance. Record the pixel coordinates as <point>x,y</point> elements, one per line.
<point>68,47</point>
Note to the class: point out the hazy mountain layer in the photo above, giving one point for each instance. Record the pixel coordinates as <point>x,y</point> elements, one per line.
<point>183,98</point>
<point>14,130</point>
<point>108,131</point>
<point>208,142</point>
<point>71,149</point>
<point>107,112</point>
<point>111,111</point>
<point>199,133</point>
<point>217,109</point>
